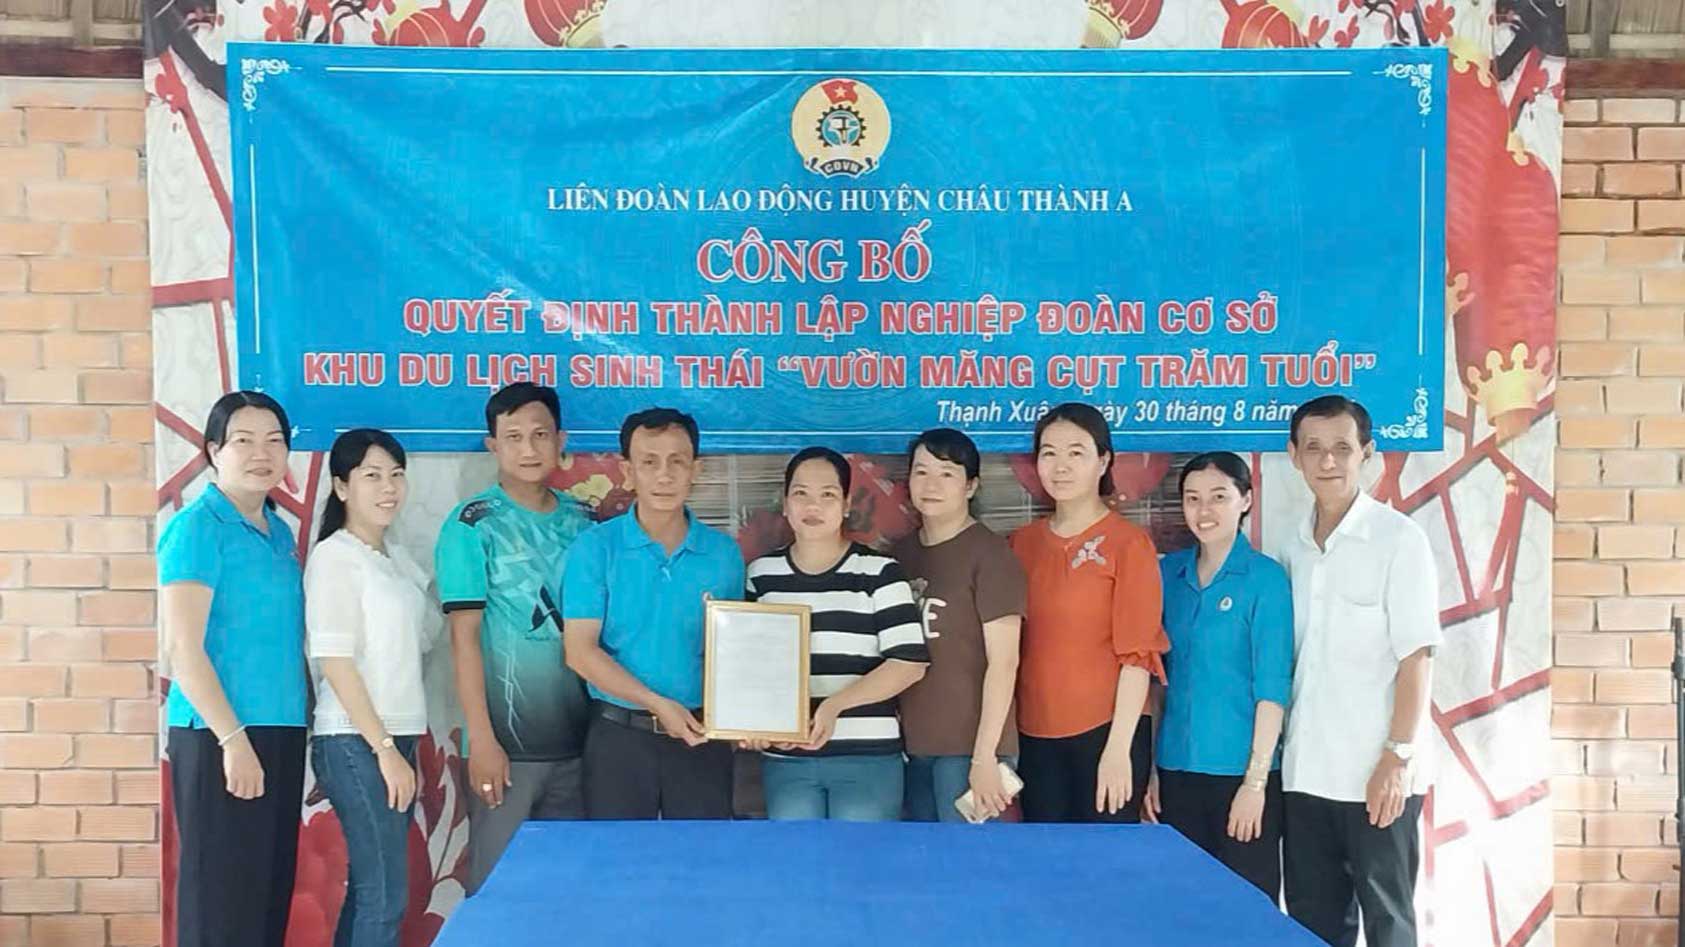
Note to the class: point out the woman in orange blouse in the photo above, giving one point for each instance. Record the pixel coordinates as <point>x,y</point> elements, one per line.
<point>1092,635</point>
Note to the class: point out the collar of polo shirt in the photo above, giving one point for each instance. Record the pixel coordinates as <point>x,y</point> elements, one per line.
<point>1238,562</point>
<point>633,536</point>
<point>224,510</point>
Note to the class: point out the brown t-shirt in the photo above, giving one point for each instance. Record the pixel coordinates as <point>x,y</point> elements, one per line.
<point>960,584</point>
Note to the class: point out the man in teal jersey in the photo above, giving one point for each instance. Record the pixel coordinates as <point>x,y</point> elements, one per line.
<point>499,560</point>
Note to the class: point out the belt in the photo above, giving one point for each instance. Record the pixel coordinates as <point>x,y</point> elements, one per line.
<point>633,719</point>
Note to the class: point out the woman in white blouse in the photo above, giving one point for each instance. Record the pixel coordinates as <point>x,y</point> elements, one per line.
<point>367,625</point>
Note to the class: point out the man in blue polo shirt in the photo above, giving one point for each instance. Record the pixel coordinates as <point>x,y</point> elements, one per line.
<point>632,604</point>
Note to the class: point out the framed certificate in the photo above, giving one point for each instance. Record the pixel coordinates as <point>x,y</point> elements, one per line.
<point>754,671</point>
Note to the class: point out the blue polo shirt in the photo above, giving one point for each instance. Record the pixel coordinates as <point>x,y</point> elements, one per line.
<point>1231,645</point>
<point>650,603</point>
<point>254,635</point>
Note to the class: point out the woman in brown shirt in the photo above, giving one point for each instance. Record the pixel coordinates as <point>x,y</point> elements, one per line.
<point>958,718</point>
<point>1092,639</point>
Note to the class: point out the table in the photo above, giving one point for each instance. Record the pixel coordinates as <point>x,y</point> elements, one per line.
<point>817,884</point>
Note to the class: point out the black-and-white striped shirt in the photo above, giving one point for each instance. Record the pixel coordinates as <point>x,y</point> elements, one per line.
<point>863,614</point>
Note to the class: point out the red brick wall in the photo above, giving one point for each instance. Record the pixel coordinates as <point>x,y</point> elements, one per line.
<point>78,694</point>
<point>1620,512</point>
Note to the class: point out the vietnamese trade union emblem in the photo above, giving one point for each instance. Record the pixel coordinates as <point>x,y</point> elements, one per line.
<point>840,126</point>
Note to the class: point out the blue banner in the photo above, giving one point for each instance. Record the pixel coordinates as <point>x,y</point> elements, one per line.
<point>842,246</point>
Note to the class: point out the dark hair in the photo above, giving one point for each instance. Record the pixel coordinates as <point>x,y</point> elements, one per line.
<point>1089,418</point>
<point>349,451</point>
<point>508,399</point>
<point>945,443</point>
<point>844,475</point>
<point>216,423</point>
<point>1228,464</point>
<point>1331,406</point>
<point>658,419</point>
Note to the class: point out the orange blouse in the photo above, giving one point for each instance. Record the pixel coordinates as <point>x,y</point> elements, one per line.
<point>1095,605</point>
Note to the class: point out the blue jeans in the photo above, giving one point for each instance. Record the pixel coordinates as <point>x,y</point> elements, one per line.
<point>847,788</point>
<point>376,838</point>
<point>934,782</point>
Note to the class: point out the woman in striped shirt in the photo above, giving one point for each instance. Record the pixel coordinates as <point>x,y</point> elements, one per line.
<point>867,646</point>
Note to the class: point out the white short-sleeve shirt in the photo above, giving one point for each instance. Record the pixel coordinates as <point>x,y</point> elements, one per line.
<point>1359,608</point>
<point>369,605</point>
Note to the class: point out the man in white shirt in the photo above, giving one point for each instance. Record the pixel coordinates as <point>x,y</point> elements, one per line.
<point>1366,621</point>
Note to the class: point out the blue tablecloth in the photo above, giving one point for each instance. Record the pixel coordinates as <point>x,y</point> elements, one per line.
<point>814,884</point>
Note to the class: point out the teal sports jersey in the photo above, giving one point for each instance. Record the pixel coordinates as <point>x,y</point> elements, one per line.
<point>502,558</point>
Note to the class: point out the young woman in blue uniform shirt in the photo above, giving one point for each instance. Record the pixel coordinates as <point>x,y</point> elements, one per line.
<point>1229,612</point>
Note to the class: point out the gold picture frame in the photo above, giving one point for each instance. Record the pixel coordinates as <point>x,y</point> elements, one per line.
<point>754,676</point>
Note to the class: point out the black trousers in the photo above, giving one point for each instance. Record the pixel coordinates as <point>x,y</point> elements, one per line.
<point>1336,863</point>
<point>1060,775</point>
<point>1197,805</point>
<point>632,773</point>
<point>234,884</point>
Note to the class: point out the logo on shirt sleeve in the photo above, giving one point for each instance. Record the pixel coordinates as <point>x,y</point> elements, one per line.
<point>476,511</point>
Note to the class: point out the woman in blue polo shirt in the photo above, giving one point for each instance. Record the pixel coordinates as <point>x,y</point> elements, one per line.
<point>1229,612</point>
<point>232,604</point>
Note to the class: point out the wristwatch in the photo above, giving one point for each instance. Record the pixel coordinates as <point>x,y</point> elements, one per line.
<point>386,743</point>
<point>1403,751</point>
